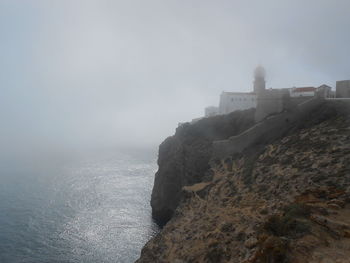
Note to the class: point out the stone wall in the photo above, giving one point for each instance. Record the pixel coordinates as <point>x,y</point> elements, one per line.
<point>271,102</point>
<point>343,89</point>
<point>269,129</point>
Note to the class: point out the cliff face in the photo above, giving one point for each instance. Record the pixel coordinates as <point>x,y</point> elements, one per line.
<point>184,158</point>
<point>288,201</point>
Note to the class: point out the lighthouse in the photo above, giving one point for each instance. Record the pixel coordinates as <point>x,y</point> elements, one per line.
<point>259,80</point>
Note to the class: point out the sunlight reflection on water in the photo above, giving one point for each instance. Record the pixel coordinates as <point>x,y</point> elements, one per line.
<point>84,211</point>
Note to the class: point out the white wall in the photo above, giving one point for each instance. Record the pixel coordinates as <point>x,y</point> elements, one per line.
<point>302,94</point>
<point>232,101</point>
<point>211,111</point>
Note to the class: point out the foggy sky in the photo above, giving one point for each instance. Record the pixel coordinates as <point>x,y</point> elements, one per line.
<point>117,73</point>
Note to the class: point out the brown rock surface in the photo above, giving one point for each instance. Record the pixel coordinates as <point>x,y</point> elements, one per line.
<point>289,202</point>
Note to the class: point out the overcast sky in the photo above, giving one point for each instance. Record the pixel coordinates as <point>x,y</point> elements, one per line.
<point>80,72</point>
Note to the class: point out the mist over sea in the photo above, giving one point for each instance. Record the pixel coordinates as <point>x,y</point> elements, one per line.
<point>76,208</point>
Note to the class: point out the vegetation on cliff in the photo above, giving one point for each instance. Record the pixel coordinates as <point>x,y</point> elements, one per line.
<point>287,202</point>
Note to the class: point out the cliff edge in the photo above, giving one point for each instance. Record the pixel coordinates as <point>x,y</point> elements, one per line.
<point>287,201</point>
<point>184,158</point>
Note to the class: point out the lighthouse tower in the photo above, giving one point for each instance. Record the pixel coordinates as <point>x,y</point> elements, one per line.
<point>259,80</point>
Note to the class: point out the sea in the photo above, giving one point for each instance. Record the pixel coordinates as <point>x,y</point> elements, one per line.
<point>85,208</point>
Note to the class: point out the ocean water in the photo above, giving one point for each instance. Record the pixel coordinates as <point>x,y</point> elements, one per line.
<point>91,208</point>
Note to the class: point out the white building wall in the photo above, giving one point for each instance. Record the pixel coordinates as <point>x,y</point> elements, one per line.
<point>302,94</point>
<point>325,91</point>
<point>297,92</point>
<point>233,101</point>
<point>211,111</point>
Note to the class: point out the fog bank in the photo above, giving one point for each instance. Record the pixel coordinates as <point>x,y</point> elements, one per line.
<point>85,74</point>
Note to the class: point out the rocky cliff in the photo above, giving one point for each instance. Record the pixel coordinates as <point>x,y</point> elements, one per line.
<point>184,158</point>
<point>288,201</point>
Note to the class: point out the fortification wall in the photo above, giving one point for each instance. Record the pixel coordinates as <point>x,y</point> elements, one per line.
<point>269,129</point>
<point>343,89</point>
<point>271,102</point>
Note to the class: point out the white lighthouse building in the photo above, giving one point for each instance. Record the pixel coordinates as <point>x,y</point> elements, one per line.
<point>233,101</point>
<point>271,101</point>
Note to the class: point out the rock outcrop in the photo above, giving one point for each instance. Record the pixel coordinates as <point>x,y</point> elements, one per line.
<point>288,201</point>
<point>184,158</point>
